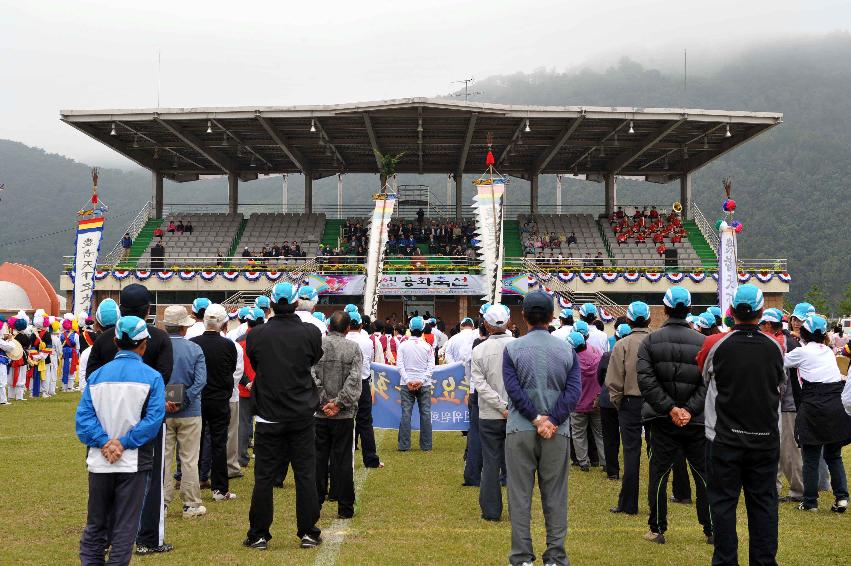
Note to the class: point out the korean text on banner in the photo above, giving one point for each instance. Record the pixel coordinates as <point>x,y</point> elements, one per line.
<point>89,234</point>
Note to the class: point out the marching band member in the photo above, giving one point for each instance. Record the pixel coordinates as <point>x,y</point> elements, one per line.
<point>20,367</point>
<point>68,340</point>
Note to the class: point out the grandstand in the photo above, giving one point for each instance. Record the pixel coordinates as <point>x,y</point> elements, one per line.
<point>583,226</point>
<point>269,229</point>
<point>212,234</point>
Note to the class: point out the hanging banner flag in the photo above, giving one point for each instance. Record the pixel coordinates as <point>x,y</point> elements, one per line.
<point>448,398</point>
<point>384,204</point>
<point>89,233</point>
<point>728,276</point>
<point>487,204</point>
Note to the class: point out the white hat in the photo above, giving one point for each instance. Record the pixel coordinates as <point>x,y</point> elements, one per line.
<point>497,315</point>
<point>217,313</point>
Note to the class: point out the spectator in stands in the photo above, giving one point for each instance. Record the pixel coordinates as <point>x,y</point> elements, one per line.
<point>598,261</point>
<point>571,239</point>
<point>188,228</point>
<point>171,227</point>
<point>220,259</point>
<point>420,216</point>
<point>158,233</point>
<point>246,252</point>
<point>126,243</point>
<point>158,256</point>
<point>661,249</point>
<point>179,228</point>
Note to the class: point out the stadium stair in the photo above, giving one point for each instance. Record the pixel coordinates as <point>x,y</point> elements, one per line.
<point>141,243</point>
<point>331,235</point>
<point>235,244</point>
<point>701,247</point>
<point>605,239</point>
<point>511,239</point>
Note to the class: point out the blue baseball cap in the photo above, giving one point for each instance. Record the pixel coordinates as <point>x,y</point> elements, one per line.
<point>537,300</point>
<point>677,296</point>
<point>351,308</point>
<point>748,298</point>
<point>284,292</point>
<point>263,302</point>
<point>200,304</point>
<point>131,327</point>
<point>108,313</point>
<point>803,310</point>
<point>581,326</point>
<point>356,318</point>
<point>467,321</point>
<point>772,315</point>
<point>714,311</point>
<point>623,330</point>
<point>566,313</point>
<point>307,293</point>
<point>816,323</point>
<point>576,339</point>
<point>416,323</point>
<point>638,309</point>
<point>484,308</point>
<point>705,320</point>
<point>588,309</point>
<point>242,313</point>
<point>319,316</point>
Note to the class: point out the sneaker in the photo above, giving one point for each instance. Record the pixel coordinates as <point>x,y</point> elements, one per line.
<point>189,512</point>
<point>219,496</point>
<point>710,539</point>
<point>803,507</point>
<point>839,506</point>
<point>259,544</point>
<point>657,538</point>
<point>308,541</point>
<point>144,550</point>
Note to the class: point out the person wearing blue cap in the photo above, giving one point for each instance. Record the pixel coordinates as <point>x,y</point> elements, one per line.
<point>595,337</point>
<point>307,299</point>
<point>119,417</point>
<point>199,308</point>
<point>106,316</point>
<point>7,346</point>
<point>799,315</point>
<point>247,410</point>
<point>135,300</point>
<point>674,393</point>
<point>622,384</point>
<point>542,396</point>
<point>415,362</point>
<point>586,415</point>
<point>715,311</point>
<point>565,318</point>
<point>823,426</point>
<point>264,303</point>
<point>241,316</point>
<point>743,370</point>
<point>363,419</point>
<point>459,348</point>
<point>608,411</point>
<point>282,352</point>
<point>705,323</point>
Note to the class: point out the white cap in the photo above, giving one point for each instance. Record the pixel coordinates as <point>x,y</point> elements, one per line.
<point>216,312</point>
<point>497,315</point>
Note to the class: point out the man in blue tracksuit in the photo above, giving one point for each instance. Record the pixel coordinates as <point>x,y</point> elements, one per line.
<point>119,415</point>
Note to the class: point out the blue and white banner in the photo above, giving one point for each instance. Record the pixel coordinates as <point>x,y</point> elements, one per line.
<point>728,274</point>
<point>448,399</point>
<point>87,248</point>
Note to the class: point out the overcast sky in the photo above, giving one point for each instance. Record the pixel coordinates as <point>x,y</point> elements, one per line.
<point>103,54</point>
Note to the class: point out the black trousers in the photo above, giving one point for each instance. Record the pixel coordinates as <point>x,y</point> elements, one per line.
<point>492,434</point>
<point>115,504</point>
<point>215,417</point>
<point>611,440</point>
<point>473,451</point>
<point>363,426</point>
<point>152,522</point>
<point>667,442</point>
<point>680,486</point>
<point>246,428</point>
<point>272,443</point>
<point>334,462</point>
<point>629,418</point>
<point>731,469</point>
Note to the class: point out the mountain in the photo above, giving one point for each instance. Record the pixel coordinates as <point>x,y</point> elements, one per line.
<point>791,184</point>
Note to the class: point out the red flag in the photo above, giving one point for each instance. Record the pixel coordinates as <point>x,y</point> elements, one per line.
<point>490,160</point>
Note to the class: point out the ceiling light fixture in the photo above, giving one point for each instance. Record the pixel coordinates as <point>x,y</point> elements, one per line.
<point>209,127</point>
<point>631,128</point>
<point>112,132</point>
<point>251,163</point>
<point>705,142</point>
<point>527,128</point>
<point>136,140</point>
<point>728,134</point>
<point>312,126</point>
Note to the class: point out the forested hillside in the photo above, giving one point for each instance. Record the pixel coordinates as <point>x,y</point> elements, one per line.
<point>792,184</point>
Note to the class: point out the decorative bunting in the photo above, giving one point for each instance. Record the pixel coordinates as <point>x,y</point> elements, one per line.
<point>653,277</point>
<point>100,275</point>
<point>186,275</point>
<point>142,274</point>
<point>165,275</point>
<point>587,277</point>
<point>566,277</point>
<point>120,274</point>
<point>631,276</point>
<point>273,275</point>
<point>675,277</point>
<point>230,275</point>
<point>252,275</point>
<point>207,275</point>
<point>697,276</point>
<point>609,277</point>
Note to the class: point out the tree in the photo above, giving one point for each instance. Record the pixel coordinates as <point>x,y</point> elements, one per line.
<point>388,165</point>
<point>816,297</point>
<point>845,302</point>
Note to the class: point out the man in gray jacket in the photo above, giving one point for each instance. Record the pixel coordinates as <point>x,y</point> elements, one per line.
<point>338,380</point>
<point>486,373</point>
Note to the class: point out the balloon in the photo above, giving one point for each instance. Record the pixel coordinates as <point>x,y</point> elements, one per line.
<point>739,229</point>
<point>729,205</point>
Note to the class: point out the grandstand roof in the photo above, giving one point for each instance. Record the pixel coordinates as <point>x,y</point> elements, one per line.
<point>436,136</point>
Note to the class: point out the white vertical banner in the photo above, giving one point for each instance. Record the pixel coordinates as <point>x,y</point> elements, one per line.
<point>339,195</point>
<point>87,248</point>
<point>487,204</point>
<point>558,194</point>
<point>728,273</point>
<point>286,195</point>
<point>381,216</point>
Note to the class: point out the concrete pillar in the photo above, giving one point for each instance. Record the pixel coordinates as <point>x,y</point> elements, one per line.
<point>308,193</point>
<point>463,306</point>
<point>458,190</point>
<point>157,198</point>
<point>611,198</point>
<point>685,195</point>
<point>233,193</point>
<point>533,194</point>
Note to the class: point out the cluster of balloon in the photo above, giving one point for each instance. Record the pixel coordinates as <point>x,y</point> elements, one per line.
<point>729,207</point>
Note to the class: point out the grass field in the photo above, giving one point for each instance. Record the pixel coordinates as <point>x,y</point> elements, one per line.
<point>412,512</point>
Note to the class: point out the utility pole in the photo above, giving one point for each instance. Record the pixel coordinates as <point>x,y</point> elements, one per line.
<point>467,93</point>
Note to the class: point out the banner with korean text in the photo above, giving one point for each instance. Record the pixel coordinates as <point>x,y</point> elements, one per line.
<point>728,273</point>
<point>448,398</point>
<point>89,233</point>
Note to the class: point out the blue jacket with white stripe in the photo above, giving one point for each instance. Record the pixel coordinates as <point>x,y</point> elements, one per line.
<point>124,399</point>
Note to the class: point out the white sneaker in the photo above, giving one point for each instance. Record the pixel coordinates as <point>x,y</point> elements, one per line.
<point>189,512</point>
<point>219,496</point>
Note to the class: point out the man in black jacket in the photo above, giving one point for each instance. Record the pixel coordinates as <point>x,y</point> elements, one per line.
<point>220,355</point>
<point>674,395</point>
<point>135,300</point>
<point>282,353</point>
<point>743,370</point>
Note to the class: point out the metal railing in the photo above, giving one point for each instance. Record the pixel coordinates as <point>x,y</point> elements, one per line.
<point>703,225</point>
<point>349,264</point>
<point>135,226</point>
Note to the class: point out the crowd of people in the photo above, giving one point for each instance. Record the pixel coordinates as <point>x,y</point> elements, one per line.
<point>648,226</point>
<point>741,399</point>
